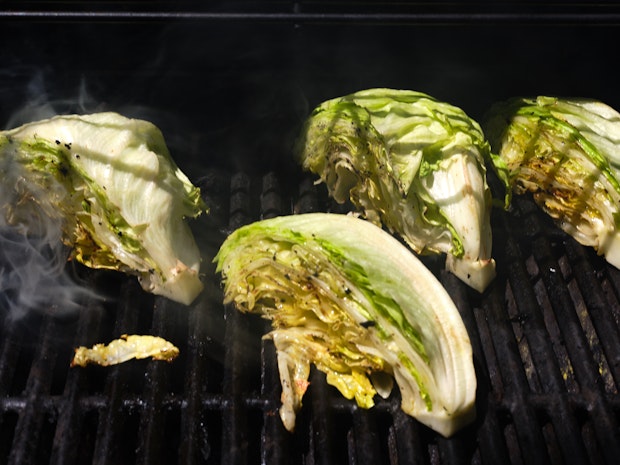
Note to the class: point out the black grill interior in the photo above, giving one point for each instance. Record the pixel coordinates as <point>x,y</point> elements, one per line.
<point>229,83</point>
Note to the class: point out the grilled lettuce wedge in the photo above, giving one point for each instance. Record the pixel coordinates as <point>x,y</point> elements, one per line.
<point>348,297</point>
<point>413,164</point>
<point>565,152</point>
<point>119,197</point>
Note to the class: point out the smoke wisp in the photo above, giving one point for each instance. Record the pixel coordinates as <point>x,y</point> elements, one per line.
<point>33,257</point>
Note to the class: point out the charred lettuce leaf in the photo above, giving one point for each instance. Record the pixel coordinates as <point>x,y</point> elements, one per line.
<point>112,186</point>
<point>413,164</point>
<point>127,347</point>
<point>565,153</point>
<point>348,297</point>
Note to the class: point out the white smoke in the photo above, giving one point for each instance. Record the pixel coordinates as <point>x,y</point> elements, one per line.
<point>33,258</point>
<point>39,104</point>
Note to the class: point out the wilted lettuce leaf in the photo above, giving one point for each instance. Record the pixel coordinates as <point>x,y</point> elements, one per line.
<point>346,296</point>
<point>413,164</point>
<point>111,184</point>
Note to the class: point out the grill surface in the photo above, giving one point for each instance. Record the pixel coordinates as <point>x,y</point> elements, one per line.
<point>229,87</point>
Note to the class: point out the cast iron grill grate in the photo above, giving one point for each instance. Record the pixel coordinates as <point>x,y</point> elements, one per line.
<point>545,339</point>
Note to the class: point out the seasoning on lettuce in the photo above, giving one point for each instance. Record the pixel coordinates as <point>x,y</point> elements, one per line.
<point>348,297</point>
<point>413,164</point>
<point>118,195</point>
<point>565,153</point>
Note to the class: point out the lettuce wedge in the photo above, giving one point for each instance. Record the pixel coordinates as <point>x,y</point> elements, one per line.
<point>413,164</point>
<point>565,153</point>
<point>112,186</point>
<point>346,296</point>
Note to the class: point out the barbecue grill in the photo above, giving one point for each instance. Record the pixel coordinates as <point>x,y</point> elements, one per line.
<point>229,84</point>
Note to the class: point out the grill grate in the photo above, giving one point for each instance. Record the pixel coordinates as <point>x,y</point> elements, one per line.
<point>545,339</point>
<point>229,82</point>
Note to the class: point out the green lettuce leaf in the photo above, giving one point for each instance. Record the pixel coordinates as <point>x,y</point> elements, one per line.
<point>346,296</point>
<point>413,164</point>
<point>117,193</point>
<point>565,153</point>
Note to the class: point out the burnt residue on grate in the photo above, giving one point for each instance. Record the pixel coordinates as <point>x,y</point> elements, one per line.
<point>545,338</point>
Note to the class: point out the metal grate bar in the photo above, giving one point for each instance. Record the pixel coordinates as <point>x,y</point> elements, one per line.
<point>27,446</point>
<point>274,438</point>
<point>322,433</point>
<point>455,450</point>
<point>491,412</point>
<point>113,430</point>
<point>523,417</point>
<point>378,18</point>
<point>195,446</point>
<point>12,347</point>
<point>307,198</point>
<point>235,415</point>
<point>9,355</point>
<point>152,435</point>
<point>406,439</point>
<point>69,440</point>
<point>271,197</point>
<point>367,446</point>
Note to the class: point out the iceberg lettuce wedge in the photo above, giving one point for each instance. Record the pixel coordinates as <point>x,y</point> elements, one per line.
<point>565,153</point>
<point>346,296</point>
<point>119,197</point>
<point>413,164</point>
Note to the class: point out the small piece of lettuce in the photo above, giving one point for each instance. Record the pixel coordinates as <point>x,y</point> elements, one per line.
<point>119,197</point>
<point>565,153</point>
<point>413,164</point>
<point>346,296</point>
